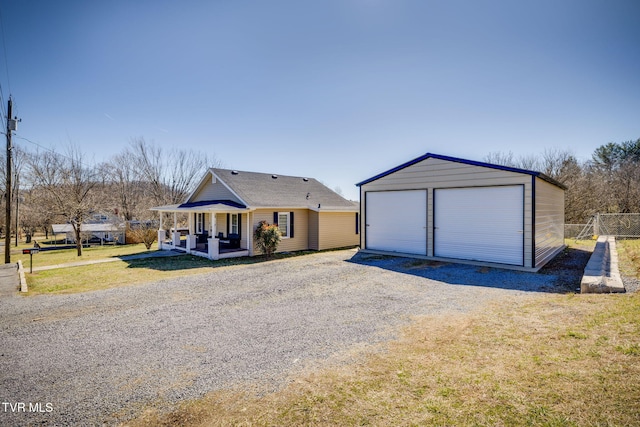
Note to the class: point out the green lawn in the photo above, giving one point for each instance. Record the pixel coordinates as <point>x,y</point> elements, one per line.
<point>118,273</point>
<point>63,256</point>
<point>114,274</point>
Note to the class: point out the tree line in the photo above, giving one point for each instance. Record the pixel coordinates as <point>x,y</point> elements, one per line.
<point>51,187</point>
<point>608,182</point>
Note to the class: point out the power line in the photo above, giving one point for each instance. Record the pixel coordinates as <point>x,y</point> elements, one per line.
<point>52,151</point>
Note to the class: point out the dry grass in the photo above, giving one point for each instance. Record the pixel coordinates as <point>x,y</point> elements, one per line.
<point>629,253</point>
<point>550,360</point>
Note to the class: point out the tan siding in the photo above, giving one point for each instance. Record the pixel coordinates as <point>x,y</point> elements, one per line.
<point>337,230</point>
<point>314,238</point>
<point>433,173</point>
<point>300,240</point>
<point>210,191</point>
<point>549,221</point>
<point>221,224</point>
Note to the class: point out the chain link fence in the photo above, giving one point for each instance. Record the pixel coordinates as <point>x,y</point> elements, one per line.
<point>618,225</point>
<point>571,231</point>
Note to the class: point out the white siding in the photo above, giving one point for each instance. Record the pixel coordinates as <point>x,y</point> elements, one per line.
<point>549,221</point>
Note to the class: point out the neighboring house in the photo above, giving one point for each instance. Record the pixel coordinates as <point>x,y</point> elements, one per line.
<point>98,228</point>
<point>445,208</point>
<point>228,205</point>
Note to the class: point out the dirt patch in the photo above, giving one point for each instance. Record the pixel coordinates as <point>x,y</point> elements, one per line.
<point>569,265</point>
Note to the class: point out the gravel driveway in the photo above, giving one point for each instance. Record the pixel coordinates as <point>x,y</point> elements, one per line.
<point>99,357</point>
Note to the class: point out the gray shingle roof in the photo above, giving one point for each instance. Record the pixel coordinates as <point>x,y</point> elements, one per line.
<point>267,190</point>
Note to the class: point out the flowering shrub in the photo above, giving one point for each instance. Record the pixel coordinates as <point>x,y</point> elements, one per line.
<point>267,238</point>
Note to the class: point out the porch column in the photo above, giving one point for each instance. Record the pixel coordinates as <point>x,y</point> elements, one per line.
<point>249,235</point>
<point>161,236</point>
<point>161,233</point>
<point>191,237</point>
<point>214,248</point>
<point>176,233</point>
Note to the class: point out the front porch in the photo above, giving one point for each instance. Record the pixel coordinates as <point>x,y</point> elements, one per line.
<point>216,230</point>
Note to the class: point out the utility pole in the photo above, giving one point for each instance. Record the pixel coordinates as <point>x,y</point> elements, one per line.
<point>11,126</point>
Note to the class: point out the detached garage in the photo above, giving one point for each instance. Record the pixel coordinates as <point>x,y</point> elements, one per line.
<point>445,208</point>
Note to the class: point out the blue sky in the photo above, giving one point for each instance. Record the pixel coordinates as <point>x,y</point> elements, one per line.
<point>336,90</point>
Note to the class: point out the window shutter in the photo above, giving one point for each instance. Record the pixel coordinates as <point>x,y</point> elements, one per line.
<point>357,223</point>
<point>290,224</point>
<point>239,225</point>
<point>275,218</point>
<point>228,221</point>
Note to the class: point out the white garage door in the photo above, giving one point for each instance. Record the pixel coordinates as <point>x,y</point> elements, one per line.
<point>396,221</point>
<point>482,224</point>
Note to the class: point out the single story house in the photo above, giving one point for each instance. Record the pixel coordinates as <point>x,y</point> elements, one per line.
<point>98,227</point>
<point>227,206</point>
<point>445,208</point>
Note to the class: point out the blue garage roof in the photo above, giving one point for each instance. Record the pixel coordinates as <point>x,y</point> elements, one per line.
<point>466,162</point>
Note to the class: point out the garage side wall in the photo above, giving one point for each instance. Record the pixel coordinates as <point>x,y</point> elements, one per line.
<point>433,173</point>
<point>549,200</point>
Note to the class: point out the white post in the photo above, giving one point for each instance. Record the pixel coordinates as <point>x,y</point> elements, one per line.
<point>161,237</point>
<point>175,238</point>
<point>214,248</point>
<point>249,234</point>
<point>191,242</point>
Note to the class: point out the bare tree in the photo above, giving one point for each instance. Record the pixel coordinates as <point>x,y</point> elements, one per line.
<point>68,186</point>
<point>124,181</point>
<point>172,175</point>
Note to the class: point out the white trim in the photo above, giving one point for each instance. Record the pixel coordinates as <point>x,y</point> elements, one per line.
<point>288,214</point>
<point>231,216</point>
<point>214,177</point>
<point>228,188</point>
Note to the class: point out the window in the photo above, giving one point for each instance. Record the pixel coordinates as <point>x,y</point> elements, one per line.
<point>233,226</point>
<point>283,223</point>
<point>199,222</point>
